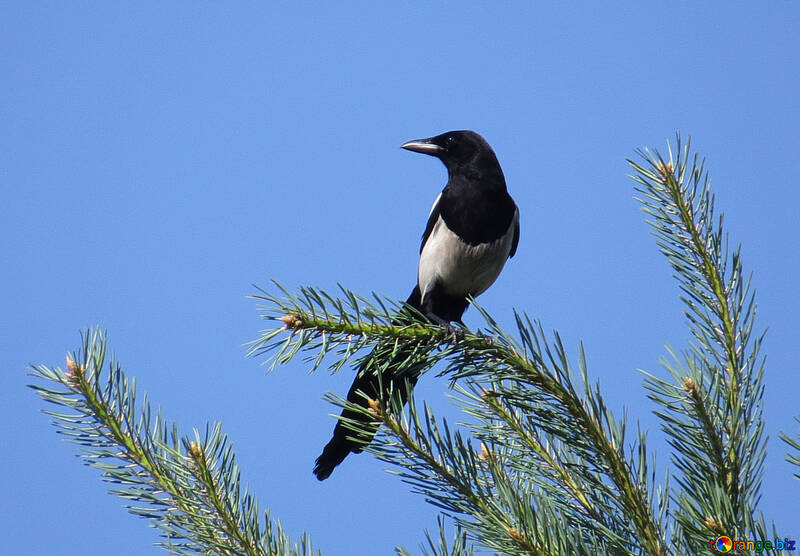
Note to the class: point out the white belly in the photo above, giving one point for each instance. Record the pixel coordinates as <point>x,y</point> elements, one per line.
<point>461,269</point>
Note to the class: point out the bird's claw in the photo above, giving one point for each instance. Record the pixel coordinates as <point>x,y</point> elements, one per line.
<point>451,330</point>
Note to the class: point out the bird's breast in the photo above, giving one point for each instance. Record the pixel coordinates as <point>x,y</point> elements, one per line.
<point>459,268</point>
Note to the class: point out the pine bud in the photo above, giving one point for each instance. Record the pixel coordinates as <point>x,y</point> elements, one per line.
<point>374,407</point>
<point>714,524</point>
<point>516,535</point>
<point>74,369</point>
<point>488,394</point>
<point>291,321</point>
<point>665,168</point>
<point>71,364</point>
<point>194,450</point>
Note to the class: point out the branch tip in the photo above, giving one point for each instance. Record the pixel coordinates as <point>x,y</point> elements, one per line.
<point>690,386</point>
<point>291,321</point>
<point>374,407</point>
<point>665,168</point>
<point>195,451</point>
<point>75,370</point>
<point>487,395</point>
<point>516,535</point>
<point>714,524</point>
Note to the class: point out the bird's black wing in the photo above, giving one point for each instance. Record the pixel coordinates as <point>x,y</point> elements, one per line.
<point>515,241</point>
<point>432,218</point>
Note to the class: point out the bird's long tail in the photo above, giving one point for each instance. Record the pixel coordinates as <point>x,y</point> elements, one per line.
<point>345,439</point>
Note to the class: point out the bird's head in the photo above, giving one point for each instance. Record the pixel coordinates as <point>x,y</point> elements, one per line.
<point>456,149</point>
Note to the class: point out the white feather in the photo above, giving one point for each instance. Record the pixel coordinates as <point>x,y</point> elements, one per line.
<point>433,206</point>
<point>461,269</point>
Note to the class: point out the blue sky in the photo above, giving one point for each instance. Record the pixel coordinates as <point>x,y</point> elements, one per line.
<point>158,160</point>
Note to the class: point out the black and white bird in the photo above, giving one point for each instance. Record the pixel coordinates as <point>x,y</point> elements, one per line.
<point>472,229</point>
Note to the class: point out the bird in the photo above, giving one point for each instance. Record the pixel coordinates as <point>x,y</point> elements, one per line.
<point>472,230</point>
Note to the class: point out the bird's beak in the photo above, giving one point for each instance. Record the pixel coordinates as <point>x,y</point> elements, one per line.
<point>424,146</point>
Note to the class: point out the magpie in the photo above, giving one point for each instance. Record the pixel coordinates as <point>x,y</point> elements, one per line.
<point>472,229</point>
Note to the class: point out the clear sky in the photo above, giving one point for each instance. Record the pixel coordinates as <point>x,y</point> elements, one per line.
<point>159,159</point>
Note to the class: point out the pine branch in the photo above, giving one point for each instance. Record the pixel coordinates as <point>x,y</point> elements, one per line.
<point>439,546</point>
<point>578,418</point>
<point>189,487</point>
<point>530,389</point>
<point>712,408</point>
<point>793,443</point>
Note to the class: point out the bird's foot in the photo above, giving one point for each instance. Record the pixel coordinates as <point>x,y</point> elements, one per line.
<point>485,337</point>
<point>456,333</point>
